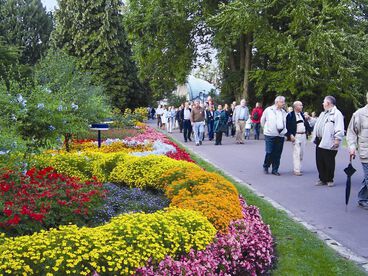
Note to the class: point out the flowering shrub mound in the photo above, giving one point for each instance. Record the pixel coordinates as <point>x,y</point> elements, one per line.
<point>143,172</point>
<point>203,191</point>
<point>43,199</point>
<point>246,249</point>
<point>116,248</point>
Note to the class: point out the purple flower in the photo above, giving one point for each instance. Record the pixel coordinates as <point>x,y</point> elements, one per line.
<point>247,249</point>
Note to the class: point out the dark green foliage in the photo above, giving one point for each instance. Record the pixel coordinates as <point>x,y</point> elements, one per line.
<point>93,32</point>
<point>27,25</point>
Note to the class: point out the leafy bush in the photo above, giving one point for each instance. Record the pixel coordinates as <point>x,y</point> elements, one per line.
<point>118,247</point>
<point>142,172</point>
<point>42,199</point>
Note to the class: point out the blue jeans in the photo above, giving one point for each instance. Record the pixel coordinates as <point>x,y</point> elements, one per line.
<point>198,129</point>
<point>274,146</point>
<point>210,130</point>
<point>363,193</point>
<point>257,127</point>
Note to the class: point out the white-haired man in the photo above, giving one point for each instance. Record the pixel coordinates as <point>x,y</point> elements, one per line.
<point>297,130</point>
<point>357,137</point>
<point>240,116</point>
<point>327,135</point>
<point>274,129</point>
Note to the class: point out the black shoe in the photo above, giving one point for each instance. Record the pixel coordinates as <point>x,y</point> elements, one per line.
<point>185,141</point>
<point>265,170</point>
<point>197,144</point>
<point>276,173</point>
<point>216,144</point>
<point>200,142</point>
<point>190,139</point>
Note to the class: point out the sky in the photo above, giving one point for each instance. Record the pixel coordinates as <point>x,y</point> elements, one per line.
<point>50,4</point>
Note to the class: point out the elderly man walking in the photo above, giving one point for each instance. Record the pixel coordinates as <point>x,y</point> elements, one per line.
<point>273,121</point>
<point>240,116</point>
<point>357,137</point>
<point>327,135</point>
<point>197,118</point>
<point>297,130</point>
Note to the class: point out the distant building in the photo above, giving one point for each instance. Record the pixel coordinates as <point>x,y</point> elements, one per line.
<point>195,89</point>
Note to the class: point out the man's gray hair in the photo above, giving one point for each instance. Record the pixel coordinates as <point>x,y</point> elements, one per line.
<point>296,103</point>
<point>279,98</point>
<point>331,99</point>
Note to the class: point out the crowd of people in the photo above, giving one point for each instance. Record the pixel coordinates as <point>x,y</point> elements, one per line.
<point>327,132</point>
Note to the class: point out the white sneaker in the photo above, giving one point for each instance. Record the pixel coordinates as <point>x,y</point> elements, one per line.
<point>320,183</point>
<point>330,184</point>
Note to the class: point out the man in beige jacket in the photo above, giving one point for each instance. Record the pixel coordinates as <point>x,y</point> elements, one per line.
<point>357,137</point>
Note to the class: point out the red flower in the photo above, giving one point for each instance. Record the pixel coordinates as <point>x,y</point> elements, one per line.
<point>61,202</point>
<point>35,216</point>
<point>15,220</point>
<point>8,212</point>
<point>25,210</point>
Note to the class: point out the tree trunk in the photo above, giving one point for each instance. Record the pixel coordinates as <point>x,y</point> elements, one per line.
<point>232,62</point>
<point>68,137</point>
<point>247,64</point>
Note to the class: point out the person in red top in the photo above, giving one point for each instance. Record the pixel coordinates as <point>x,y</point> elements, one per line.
<point>256,119</point>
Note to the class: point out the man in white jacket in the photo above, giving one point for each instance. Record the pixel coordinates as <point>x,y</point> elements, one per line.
<point>357,137</point>
<point>327,135</point>
<point>273,121</point>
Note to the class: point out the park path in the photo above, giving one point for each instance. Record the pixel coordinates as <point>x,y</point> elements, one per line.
<point>322,207</point>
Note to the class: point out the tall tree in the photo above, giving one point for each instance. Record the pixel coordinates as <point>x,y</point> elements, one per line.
<point>164,36</point>
<point>93,31</point>
<point>27,25</point>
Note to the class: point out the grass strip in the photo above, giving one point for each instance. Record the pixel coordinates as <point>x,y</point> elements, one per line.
<point>298,250</point>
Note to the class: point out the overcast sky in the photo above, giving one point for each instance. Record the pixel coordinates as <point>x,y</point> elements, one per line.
<point>50,4</point>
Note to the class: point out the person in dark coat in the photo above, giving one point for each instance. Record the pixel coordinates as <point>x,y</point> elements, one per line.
<point>210,119</point>
<point>187,126</point>
<point>220,124</point>
<point>179,119</point>
<point>298,129</point>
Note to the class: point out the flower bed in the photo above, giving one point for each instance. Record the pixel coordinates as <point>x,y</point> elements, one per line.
<point>246,249</point>
<point>243,244</point>
<point>41,199</point>
<point>118,247</point>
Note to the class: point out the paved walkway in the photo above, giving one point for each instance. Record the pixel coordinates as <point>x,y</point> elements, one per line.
<point>322,207</point>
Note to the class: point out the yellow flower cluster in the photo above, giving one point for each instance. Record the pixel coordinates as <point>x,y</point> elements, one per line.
<point>145,171</point>
<point>82,165</point>
<point>203,191</point>
<point>116,248</point>
<point>113,147</point>
<point>70,164</point>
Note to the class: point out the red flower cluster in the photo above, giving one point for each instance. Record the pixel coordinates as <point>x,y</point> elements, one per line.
<point>180,154</point>
<point>45,197</point>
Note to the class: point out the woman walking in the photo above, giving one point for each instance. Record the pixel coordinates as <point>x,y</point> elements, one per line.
<point>220,124</point>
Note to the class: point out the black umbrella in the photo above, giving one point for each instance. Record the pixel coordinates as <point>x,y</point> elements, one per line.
<point>349,170</point>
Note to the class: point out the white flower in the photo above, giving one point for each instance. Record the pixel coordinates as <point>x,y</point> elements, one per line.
<point>60,108</point>
<point>74,106</point>
<point>40,106</point>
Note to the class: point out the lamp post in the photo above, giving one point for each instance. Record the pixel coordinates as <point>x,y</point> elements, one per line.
<point>99,127</point>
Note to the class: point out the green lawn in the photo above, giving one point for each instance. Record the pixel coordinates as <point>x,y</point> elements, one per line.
<point>298,251</point>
